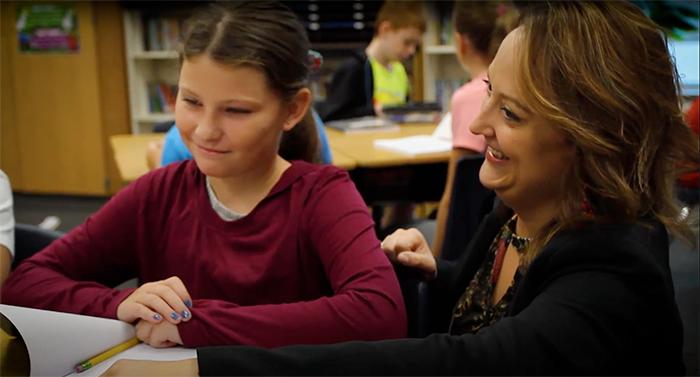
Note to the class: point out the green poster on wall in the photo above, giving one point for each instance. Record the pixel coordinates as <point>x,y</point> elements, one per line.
<point>47,28</point>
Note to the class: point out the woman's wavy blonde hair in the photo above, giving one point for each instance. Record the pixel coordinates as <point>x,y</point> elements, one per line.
<point>601,72</point>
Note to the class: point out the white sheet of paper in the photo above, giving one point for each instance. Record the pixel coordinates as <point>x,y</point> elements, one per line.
<point>57,341</point>
<point>141,352</point>
<point>444,129</point>
<point>413,145</point>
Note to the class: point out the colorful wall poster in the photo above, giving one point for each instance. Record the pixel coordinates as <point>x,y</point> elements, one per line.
<point>47,28</point>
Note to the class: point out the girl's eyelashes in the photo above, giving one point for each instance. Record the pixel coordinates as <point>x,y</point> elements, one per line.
<point>228,110</point>
<point>191,101</point>
<point>237,110</point>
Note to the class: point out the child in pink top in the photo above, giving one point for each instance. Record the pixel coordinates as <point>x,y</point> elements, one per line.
<point>466,105</point>
<point>480,26</point>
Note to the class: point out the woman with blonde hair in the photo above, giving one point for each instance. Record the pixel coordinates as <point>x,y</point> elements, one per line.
<point>584,137</point>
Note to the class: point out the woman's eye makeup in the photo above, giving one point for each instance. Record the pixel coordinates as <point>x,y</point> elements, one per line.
<point>509,115</point>
<point>488,86</point>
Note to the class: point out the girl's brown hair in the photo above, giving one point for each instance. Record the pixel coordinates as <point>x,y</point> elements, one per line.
<point>602,73</point>
<point>484,23</point>
<point>267,36</point>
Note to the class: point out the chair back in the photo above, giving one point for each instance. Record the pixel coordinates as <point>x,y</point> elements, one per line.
<point>415,296</point>
<point>469,203</point>
<point>29,239</point>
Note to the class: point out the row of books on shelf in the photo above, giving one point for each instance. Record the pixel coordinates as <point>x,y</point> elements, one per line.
<point>444,88</point>
<point>445,32</point>
<point>163,33</point>
<point>441,30</point>
<point>161,97</point>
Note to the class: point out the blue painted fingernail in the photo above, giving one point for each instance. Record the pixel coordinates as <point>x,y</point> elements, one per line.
<point>188,303</point>
<point>157,317</point>
<point>174,316</point>
<point>185,314</point>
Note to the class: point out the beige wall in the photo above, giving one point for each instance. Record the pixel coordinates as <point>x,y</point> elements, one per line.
<point>58,110</point>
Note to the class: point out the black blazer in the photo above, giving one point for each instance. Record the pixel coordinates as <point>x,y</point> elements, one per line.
<point>351,91</point>
<point>597,300</point>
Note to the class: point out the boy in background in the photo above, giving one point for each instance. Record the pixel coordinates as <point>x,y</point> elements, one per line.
<point>375,77</point>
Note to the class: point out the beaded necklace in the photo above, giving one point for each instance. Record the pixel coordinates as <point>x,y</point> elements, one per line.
<point>508,238</point>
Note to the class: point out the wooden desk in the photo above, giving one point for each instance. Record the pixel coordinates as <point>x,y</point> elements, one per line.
<point>385,176</point>
<point>351,152</point>
<point>342,160</point>
<point>360,147</point>
<point>130,155</point>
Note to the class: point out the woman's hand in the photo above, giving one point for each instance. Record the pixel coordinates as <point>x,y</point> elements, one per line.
<point>154,301</point>
<point>409,247</point>
<point>159,335</point>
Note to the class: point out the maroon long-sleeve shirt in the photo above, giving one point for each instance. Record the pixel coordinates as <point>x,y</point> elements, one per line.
<point>304,266</point>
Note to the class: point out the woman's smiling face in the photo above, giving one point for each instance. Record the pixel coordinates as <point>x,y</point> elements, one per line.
<point>527,156</point>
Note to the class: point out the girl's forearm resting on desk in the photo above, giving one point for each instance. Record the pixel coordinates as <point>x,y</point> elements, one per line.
<point>340,317</point>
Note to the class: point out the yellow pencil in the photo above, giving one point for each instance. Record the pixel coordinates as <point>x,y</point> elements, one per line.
<point>89,363</point>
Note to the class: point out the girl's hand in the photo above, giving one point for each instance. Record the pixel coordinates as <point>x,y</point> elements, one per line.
<point>409,248</point>
<point>159,335</point>
<point>165,299</point>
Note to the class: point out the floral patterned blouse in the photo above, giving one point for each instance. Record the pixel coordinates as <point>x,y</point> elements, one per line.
<point>475,308</point>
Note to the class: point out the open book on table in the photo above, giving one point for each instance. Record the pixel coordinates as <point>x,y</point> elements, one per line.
<point>439,141</point>
<point>54,342</point>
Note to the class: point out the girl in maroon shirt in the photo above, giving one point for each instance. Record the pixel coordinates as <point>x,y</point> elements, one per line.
<point>238,246</point>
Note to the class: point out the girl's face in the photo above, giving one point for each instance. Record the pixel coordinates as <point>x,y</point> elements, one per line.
<point>527,156</point>
<point>229,118</point>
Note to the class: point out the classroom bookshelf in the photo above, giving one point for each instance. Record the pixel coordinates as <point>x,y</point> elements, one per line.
<point>151,33</point>
<point>152,67</point>
<point>442,73</point>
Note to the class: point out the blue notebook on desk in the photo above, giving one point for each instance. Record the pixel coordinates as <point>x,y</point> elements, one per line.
<point>413,112</point>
